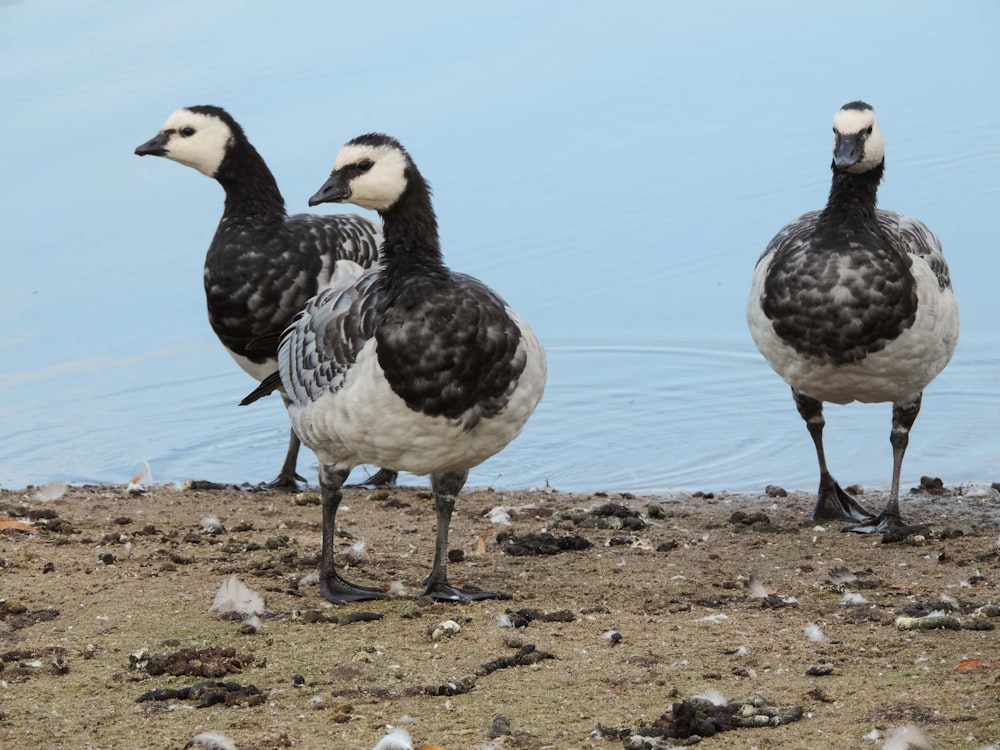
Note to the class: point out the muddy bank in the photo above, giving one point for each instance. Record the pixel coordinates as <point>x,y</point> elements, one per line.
<point>628,616</point>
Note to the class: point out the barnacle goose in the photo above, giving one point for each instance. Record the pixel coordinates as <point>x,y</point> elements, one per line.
<point>410,366</point>
<point>854,303</point>
<point>262,264</point>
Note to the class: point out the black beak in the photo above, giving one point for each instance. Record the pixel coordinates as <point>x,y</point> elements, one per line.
<point>850,150</point>
<point>156,146</point>
<point>333,191</point>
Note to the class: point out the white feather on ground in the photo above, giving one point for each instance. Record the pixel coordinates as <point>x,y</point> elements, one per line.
<point>713,618</point>
<point>755,589</point>
<point>813,633</point>
<point>235,597</point>
<point>51,491</point>
<point>712,696</point>
<point>397,739</point>
<point>909,737</point>
<point>212,525</point>
<point>211,741</point>
<point>396,588</point>
<point>499,515</point>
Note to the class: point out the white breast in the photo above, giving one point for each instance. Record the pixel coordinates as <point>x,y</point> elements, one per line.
<point>896,373</point>
<point>366,422</point>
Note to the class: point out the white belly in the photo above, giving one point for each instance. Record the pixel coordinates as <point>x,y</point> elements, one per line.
<point>257,370</point>
<point>365,422</point>
<point>896,373</point>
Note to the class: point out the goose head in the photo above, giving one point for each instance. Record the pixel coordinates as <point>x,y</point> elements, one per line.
<point>858,145</point>
<point>371,171</point>
<point>198,137</point>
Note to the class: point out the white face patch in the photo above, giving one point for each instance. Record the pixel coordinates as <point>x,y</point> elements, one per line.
<point>854,121</point>
<point>380,187</point>
<point>204,148</point>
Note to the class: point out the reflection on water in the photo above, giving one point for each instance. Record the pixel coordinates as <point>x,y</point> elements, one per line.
<point>614,417</point>
<point>615,176</point>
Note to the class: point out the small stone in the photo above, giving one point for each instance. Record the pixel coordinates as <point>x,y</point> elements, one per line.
<point>820,670</point>
<point>656,510</point>
<point>359,617</point>
<point>499,727</point>
<point>932,485</point>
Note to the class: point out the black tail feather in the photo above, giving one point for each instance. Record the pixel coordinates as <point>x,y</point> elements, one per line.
<point>267,386</point>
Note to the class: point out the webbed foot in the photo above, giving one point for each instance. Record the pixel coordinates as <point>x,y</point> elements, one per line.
<point>338,591</point>
<point>879,524</point>
<point>445,592</point>
<point>383,479</point>
<point>833,504</point>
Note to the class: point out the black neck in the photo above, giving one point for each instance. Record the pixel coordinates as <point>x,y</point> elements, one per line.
<point>410,231</point>
<point>852,198</point>
<point>251,189</point>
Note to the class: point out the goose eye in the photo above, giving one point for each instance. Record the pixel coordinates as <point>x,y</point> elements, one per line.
<point>188,131</point>
<point>868,130</point>
<point>365,165</point>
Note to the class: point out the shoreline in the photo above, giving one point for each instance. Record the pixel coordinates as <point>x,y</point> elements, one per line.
<point>654,603</point>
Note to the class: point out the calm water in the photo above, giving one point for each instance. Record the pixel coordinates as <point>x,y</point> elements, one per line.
<point>614,173</point>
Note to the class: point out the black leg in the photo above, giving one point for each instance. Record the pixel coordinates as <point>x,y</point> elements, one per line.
<point>903,417</point>
<point>288,479</point>
<point>334,588</point>
<point>832,503</point>
<point>446,487</point>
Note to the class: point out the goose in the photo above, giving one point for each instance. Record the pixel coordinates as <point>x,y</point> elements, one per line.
<point>854,303</point>
<point>410,365</point>
<point>262,264</point>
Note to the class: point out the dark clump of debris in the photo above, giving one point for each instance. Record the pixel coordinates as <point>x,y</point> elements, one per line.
<point>607,516</point>
<point>212,661</point>
<point>21,664</point>
<point>361,616</point>
<point>209,693</point>
<point>911,534</point>
<point>756,520</point>
<point>17,616</point>
<point>544,543</point>
<point>525,657</point>
<point>461,686</point>
<point>520,618</point>
<point>696,718</point>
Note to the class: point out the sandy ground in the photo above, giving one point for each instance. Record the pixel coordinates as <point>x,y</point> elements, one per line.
<point>109,602</point>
